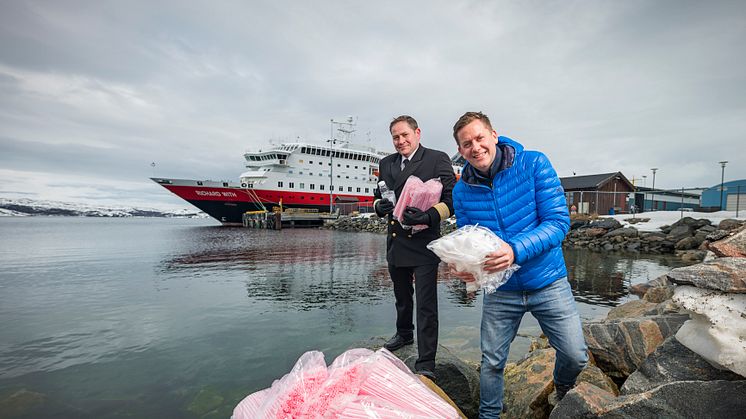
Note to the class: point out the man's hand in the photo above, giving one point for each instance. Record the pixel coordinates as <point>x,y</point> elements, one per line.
<point>384,206</point>
<point>415,216</point>
<point>499,260</point>
<point>466,277</point>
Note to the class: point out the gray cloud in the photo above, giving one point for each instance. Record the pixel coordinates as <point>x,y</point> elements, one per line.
<point>99,90</point>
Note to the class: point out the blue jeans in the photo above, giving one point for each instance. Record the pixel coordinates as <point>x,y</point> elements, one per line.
<point>554,307</point>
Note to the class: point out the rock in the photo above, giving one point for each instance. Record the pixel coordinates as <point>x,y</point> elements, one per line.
<point>733,246</point>
<point>456,378</point>
<point>584,401</point>
<point>670,362</point>
<point>623,232</point>
<point>693,255</point>
<point>729,224</point>
<point>594,232</point>
<point>716,235</point>
<point>576,224</point>
<point>687,243</point>
<point>706,229</point>
<point>681,399</point>
<point>608,247</point>
<point>717,329</point>
<point>631,309</point>
<point>633,247</point>
<point>680,232</point>
<point>30,404</point>
<point>606,223</point>
<point>529,382</point>
<point>620,346</point>
<point>723,274</point>
<point>640,289</point>
<point>206,400</point>
<point>658,294</point>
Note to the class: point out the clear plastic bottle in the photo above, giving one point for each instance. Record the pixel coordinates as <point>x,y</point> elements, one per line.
<point>386,192</point>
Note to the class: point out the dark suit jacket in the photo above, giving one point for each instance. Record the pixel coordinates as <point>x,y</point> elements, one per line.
<point>402,247</point>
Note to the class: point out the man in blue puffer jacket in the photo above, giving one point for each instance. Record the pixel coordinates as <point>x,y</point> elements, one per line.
<point>517,194</point>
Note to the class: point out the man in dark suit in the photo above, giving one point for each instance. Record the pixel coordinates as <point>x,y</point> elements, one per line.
<point>406,253</point>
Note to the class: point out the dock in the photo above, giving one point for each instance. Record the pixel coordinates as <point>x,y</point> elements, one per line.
<point>290,218</point>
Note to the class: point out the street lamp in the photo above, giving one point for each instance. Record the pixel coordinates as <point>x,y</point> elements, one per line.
<point>722,179</point>
<point>644,194</point>
<point>652,198</point>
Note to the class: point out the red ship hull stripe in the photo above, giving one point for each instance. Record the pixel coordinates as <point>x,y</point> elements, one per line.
<point>198,193</point>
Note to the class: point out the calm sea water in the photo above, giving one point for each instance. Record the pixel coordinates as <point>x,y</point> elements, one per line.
<point>182,318</point>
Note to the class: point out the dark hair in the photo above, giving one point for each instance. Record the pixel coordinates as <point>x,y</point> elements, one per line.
<point>404,118</point>
<point>467,119</point>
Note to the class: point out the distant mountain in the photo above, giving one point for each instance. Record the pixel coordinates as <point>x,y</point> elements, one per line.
<point>28,207</point>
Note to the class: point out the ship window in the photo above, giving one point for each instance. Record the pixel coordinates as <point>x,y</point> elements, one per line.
<point>312,186</point>
<point>303,150</point>
<point>225,184</point>
<point>291,185</point>
<point>321,187</point>
<point>356,167</point>
<point>347,177</point>
<point>290,171</point>
<point>349,189</point>
<point>339,165</point>
<point>329,164</point>
<point>199,182</point>
<point>300,173</point>
<point>355,177</point>
<point>320,163</point>
<point>310,162</point>
<point>310,174</point>
<point>302,185</point>
<point>341,188</point>
<point>348,166</point>
<point>358,189</point>
<point>279,184</point>
<point>367,190</point>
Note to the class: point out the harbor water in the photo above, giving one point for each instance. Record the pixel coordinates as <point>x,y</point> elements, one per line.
<point>174,318</point>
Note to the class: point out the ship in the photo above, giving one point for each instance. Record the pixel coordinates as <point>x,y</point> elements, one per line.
<point>334,176</point>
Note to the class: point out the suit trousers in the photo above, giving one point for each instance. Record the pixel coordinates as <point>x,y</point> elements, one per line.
<point>420,281</point>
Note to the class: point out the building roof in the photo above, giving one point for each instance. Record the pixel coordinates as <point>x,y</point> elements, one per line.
<point>571,183</point>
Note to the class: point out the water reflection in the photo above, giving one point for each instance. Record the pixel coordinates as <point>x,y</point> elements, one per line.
<point>307,269</point>
<point>604,278</point>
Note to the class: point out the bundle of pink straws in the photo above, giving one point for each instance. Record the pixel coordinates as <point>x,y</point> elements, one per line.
<point>359,384</point>
<point>418,194</point>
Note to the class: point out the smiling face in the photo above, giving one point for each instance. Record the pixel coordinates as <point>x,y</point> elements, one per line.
<point>477,144</point>
<point>405,138</point>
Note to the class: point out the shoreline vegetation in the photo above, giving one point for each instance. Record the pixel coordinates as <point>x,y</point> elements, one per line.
<point>678,351</point>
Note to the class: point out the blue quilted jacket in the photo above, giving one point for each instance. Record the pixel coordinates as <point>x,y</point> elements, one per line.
<point>525,207</point>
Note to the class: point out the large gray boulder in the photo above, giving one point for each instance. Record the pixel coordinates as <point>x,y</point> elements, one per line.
<point>721,274</point>
<point>680,232</point>
<point>681,399</point>
<point>671,362</point>
<point>459,380</point>
<point>620,346</point>
<point>622,232</point>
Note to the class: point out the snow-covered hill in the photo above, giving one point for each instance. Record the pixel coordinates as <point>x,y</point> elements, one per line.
<point>27,207</point>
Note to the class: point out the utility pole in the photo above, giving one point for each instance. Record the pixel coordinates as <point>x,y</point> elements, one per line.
<point>722,180</point>
<point>652,198</point>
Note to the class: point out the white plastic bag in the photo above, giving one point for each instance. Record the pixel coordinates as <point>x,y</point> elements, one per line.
<point>466,249</point>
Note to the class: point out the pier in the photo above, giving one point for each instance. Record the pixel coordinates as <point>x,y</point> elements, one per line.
<point>290,218</point>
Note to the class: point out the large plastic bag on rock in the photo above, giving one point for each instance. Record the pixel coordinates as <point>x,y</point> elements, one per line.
<point>418,194</point>
<point>360,384</point>
<point>466,249</point>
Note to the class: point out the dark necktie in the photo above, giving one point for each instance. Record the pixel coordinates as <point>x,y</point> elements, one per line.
<point>404,164</point>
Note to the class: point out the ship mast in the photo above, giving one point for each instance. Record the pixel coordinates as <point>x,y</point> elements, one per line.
<point>346,127</point>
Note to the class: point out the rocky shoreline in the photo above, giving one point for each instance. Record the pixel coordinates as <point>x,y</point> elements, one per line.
<point>687,238</point>
<point>678,351</point>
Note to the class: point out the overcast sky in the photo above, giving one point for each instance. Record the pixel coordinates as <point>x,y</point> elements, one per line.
<point>92,92</point>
